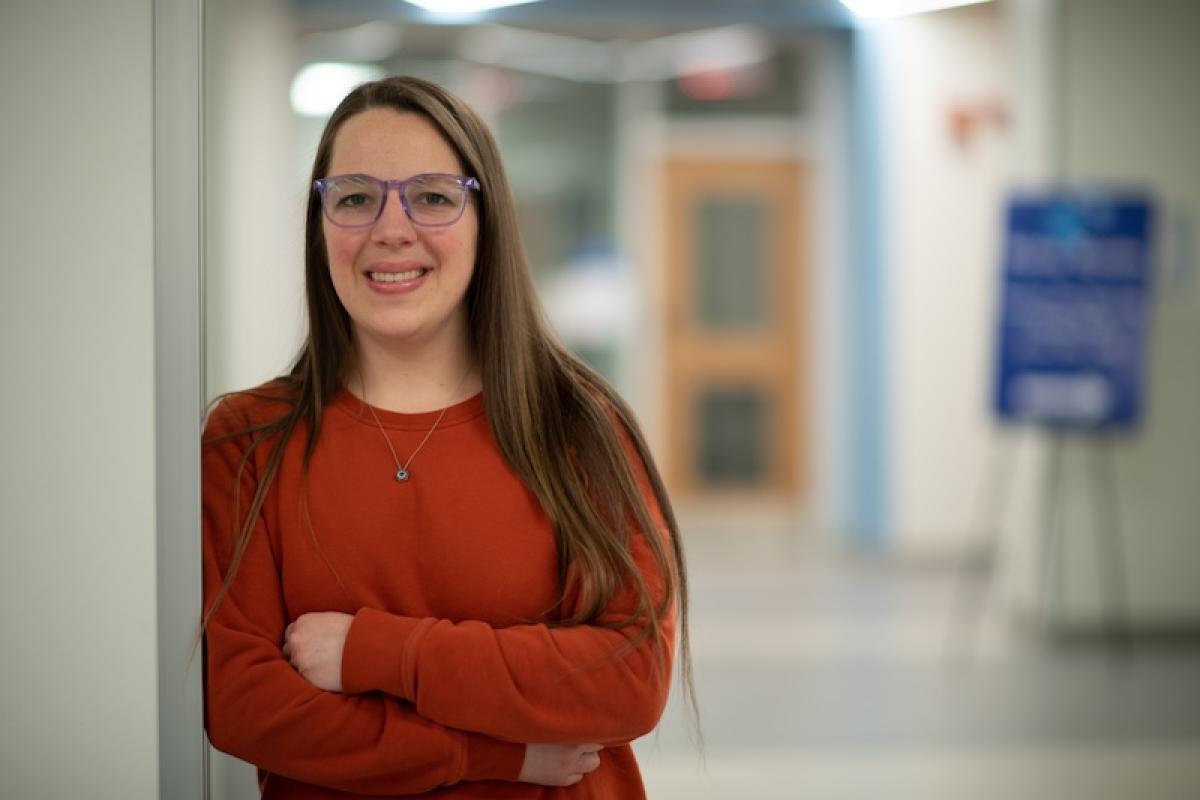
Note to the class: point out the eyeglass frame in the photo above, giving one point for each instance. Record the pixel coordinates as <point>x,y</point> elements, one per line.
<point>465,181</point>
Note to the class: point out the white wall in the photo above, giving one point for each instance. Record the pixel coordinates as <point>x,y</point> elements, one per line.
<point>941,210</point>
<point>1098,91</point>
<point>254,279</point>
<point>254,262</point>
<point>78,671</point>
<point>1130,115</point>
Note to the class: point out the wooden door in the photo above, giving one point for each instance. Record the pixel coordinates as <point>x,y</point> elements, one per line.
<point>734,280</point>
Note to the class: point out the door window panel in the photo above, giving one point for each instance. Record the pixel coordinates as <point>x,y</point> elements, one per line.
<point>731,269</point>
<point>731,432</point>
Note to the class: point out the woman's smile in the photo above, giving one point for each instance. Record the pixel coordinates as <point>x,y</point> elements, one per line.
<point>393,277</point>
<point>396,277</point>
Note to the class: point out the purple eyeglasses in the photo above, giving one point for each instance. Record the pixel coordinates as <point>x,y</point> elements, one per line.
<point>429,199</point>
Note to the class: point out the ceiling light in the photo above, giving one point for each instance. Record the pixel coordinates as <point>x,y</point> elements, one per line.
<point>465,6</point>
<point>734,47</point>
<point>898,8</point>
<point>318,88</point>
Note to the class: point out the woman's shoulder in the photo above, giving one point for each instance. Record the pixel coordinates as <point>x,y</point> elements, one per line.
<point>249,408</point>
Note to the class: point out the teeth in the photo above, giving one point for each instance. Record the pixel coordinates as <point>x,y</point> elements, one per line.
<point>395,277</point>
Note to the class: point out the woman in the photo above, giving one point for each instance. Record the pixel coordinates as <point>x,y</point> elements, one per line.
<point>438,559</point>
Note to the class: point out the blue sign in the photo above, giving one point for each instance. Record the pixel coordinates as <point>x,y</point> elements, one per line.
<point>1074,319</point>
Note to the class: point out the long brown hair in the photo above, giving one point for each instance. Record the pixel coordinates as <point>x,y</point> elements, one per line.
<point>551,416</point>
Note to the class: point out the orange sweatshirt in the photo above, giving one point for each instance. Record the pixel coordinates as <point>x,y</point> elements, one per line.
<point>449,668</point>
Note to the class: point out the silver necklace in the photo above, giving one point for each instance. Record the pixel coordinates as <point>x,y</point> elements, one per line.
<point>402,473</point>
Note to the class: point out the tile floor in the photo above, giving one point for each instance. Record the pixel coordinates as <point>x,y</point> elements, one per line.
<point>830,675</point>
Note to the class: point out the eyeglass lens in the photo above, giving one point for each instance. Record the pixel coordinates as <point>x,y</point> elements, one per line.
<point>357,200</point>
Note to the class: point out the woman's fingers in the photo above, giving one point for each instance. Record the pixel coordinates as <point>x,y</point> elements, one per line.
<point>589,761</point>
<point>559,765</point>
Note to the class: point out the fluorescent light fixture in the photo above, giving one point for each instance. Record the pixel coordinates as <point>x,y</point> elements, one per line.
<point>872,9</point>
<point>733,47</point>
<point>318,88</point>
<point>465,6</point>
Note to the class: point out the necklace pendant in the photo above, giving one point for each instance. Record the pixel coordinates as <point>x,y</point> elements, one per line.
<point>402,475</point>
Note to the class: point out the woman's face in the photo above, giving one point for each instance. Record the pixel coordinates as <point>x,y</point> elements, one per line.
<point>401,283</point>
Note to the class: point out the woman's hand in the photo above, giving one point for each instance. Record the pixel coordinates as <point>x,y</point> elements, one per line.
<point>313,644</point>
<point>558,764</point>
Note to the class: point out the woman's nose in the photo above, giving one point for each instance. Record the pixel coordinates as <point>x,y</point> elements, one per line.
<point>393,224</point>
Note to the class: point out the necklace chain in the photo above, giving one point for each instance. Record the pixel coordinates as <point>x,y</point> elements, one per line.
<point>402,473</point>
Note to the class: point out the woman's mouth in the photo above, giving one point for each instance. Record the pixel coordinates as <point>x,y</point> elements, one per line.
<point>397,277</point>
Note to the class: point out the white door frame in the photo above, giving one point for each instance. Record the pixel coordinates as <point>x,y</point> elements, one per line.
<point>178,364</point>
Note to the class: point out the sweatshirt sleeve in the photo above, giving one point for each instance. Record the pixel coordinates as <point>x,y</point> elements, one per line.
<point>525,683</point>
<point>258,708</point>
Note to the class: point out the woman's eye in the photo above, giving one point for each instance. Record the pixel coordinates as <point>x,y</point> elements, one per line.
<point>356,200</point>
<point>433,199</point>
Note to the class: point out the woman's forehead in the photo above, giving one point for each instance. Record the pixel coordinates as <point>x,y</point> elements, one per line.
<point>391,144</point>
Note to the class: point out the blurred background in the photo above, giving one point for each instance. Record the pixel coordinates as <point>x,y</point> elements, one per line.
<point>777,226</point>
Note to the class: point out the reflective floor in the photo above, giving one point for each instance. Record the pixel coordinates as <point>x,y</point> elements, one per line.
<point>826,675</point>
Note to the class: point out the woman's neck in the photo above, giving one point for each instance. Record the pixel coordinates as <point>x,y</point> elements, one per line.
<point>413,382</point>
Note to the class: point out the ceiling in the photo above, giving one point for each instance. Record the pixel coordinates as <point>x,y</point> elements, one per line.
<point>604,17</point>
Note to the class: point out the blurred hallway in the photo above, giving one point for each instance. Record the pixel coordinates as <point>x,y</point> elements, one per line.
<point>826,674</point>
<point>821,661</point>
